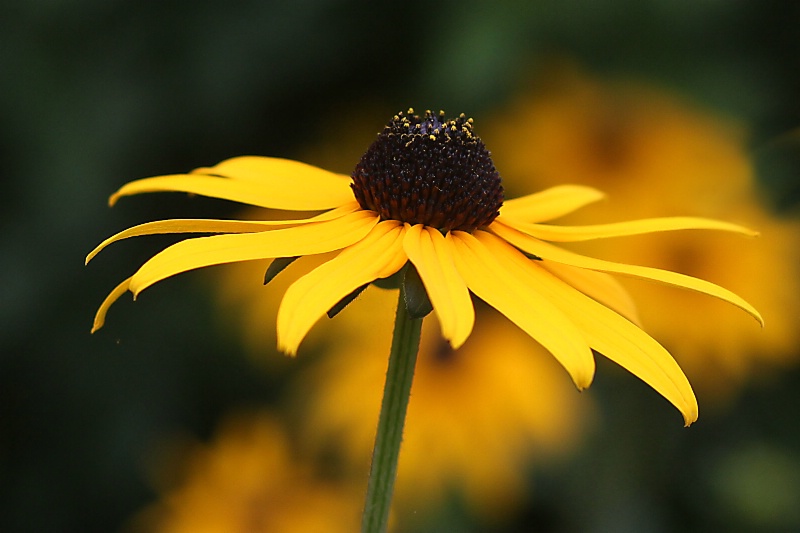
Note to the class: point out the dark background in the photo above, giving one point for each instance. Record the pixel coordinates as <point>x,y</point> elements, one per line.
<point>95,93</point>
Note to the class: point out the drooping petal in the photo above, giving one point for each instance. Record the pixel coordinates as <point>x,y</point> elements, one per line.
<point>302,240</point>
<point>549,252</point>
<point>427,250</point>
<point>378,255</point>
<point>521,301</point>
<point>550,203</point>
<point>113,296</point>
<point>216,226</point>
<point>607,332</point>
<point>311,189</point>
<point>597,285</point>
<point>549,232</point>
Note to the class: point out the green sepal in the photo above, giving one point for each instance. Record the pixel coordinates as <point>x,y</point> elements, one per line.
<point>276,267</point>
<point>418,304</point>
<point>341,304</point>
<point>392,282</point>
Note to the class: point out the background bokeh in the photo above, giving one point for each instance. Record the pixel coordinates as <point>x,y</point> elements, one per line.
<point>97,432</point>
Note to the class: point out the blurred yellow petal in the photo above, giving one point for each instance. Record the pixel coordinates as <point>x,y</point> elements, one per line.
<point>551,203</point>
<point>378,255</point>
<point>430,254</point>
<point>200,252</point>
<point>549,252</point>
<point>550,232</point>
<point>312,192</point>
<point>100,316</point>
<point>606,331</point>
<point>597,285</point>
<point>215,226</point>
<point>524,305</point>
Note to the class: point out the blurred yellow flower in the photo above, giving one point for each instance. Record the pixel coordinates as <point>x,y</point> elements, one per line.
<point>716,348</point>
<point>249,480</point>
<point>645,147</point>
<point>426,194</point>
<point>654,153</point>
<point>478,416</point>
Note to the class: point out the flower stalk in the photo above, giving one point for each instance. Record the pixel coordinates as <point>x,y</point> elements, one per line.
<point>396,393</point>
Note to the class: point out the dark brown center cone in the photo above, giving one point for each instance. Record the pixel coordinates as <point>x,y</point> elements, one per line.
<point>431,171</point>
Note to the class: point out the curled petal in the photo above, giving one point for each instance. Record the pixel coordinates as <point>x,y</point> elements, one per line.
<point>100,316</point>
<point>427,250</point>
<point>548,232</point>
<point>302,240</point>
<point>216,226</point>
<point>378,255</point>
<point>606,331</point>
<point>550,203</point>
<point>548,252</point>
<point>521,301</point>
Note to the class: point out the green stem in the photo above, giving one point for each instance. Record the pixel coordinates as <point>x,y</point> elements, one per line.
<point>399,376</point>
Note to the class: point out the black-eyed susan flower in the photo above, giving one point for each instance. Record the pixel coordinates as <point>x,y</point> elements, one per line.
<point>248,478</point>
<point>427,193</point>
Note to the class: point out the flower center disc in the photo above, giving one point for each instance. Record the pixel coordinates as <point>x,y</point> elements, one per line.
<point>429,171</point>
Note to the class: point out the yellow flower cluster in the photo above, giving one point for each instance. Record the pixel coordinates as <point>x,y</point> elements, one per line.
<point>486,401</point>
<point>655,154</point>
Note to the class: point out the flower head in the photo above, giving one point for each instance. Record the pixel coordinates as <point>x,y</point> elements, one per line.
<point>389,214</point>
<point>249,479</point>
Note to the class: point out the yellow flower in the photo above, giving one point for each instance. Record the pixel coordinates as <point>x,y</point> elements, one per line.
<point>427,193</point>
<point>477,415</point>
<point>249,479</point>
<point>636,142</point>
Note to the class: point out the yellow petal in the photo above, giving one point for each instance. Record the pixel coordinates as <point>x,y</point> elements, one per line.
<point>548,252</point>
<point>274,171</point>
<point>523,304</point>
<point>308,191</point>
<point>597,285</point>
<point>294,180</point>
<point>607,332</point>
<point>100,317</point>
<point>216,226</point>
<point>427,250</point>
<point>378,255</point>
<point>307,239</point>
<point>550,232</point>
<point>550,203</point>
